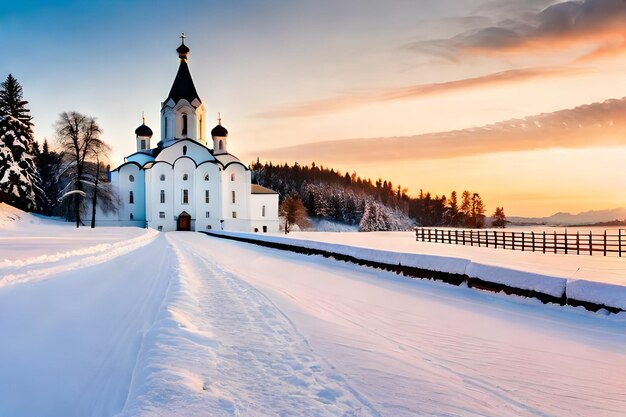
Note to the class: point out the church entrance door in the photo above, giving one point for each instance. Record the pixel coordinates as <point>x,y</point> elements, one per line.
<point>184,221</point>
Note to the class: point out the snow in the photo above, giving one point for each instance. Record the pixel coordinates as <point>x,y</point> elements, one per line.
<point>182,324</point>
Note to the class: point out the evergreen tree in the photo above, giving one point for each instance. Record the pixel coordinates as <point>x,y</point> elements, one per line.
<point>478,212</point>
<point>19,176</point>
<point>498,219</point>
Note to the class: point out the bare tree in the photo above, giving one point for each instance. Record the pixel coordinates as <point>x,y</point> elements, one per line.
<point>294,212</point>
<point>79,139</point>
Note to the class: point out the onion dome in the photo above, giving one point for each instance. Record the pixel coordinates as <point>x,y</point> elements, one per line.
<point>182,50</point>
<point>219,130</point>
<point>143,130</point>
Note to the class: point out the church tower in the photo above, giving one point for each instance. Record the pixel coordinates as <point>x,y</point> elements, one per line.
<point>220,136</point>
<point>183,115</point>
<point>143,134</point>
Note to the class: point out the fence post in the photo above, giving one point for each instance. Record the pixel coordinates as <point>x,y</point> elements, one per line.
<point>533,239</point>
<point>605,243</point>
<point>555,241</point>
<point>513,240</point>
<point>471,237</point>
<point>495,239</point>
<point>463,237</point>
<point>577,243</point>
<point>590,245</point>
<point>503,240</point>
<point>456,237</point>
<point>449,237</point>
<point>544,242</point>
<point>565,235</point>
<point>619,242</point>
<point>429,236</point>
<point>523,242</point>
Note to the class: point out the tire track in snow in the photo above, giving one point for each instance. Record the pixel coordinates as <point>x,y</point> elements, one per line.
<point>222,348</point>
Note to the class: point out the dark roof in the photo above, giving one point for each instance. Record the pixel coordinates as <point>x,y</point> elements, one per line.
<point>182,50</point>
<point>143,130</point>
<point>183,85</point>
<point>259,189</point>
<point>219,131</point>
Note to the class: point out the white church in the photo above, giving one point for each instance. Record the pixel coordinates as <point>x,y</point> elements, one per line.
<point>182,184</point>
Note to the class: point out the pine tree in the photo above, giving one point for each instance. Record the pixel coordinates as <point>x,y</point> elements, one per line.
<point>19,176</point>
<point>498,219</point>
<point>478,212</point>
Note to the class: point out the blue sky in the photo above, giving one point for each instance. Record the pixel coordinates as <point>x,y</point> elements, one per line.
<point>313,80</point>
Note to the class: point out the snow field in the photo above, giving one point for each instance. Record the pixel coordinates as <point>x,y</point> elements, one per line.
<point>418,348</point>
<point>489,268</point>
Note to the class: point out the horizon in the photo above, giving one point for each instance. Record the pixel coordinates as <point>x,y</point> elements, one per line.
<point>519,101</point>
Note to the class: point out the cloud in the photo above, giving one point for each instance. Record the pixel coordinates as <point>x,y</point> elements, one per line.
<point>595,24</point>
<point>347,101</point>
<point>598,124</point>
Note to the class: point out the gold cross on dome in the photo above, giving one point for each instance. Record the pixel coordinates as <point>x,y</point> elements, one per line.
<point>182,37</point>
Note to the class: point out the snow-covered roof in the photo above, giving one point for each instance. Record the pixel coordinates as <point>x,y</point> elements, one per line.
<point>259,189</point>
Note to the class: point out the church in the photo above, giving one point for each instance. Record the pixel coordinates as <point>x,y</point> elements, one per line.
<point>182,183</point>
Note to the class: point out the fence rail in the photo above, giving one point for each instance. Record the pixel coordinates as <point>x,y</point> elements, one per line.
<point>546,242</point>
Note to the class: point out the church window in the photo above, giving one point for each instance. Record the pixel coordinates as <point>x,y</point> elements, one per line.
<point>263,211</point>
<point>232,176</point>
<point>184,132</point>
<point>206,196</point>
<point>131,216</point>
<point>264,229</point>
<point>162,196</point>
<point>233,194</point>
<point>143,144</point>
<point>160,228</point>
<point>221,145</point>
<point>209,227</point>
<point>165,126</point>
<point>185,177</point>
<point>200,128</point>
<point>185,199</point>
<point>131,178</point>
<point>185,150</point>
<point>161,214</point>
<point>207,214</point>
<point>131,198</point>
<point>162,178</point>
<point>206,177</point>
<point>234,214</point>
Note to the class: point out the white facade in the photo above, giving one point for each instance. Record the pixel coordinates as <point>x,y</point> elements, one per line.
<point>182,184</point>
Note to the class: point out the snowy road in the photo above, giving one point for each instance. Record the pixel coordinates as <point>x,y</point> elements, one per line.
<point>178,324</point>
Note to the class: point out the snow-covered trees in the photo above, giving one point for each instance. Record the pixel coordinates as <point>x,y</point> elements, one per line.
<point>498,219</point>
<point>79,139</point>
<point>19,176</point>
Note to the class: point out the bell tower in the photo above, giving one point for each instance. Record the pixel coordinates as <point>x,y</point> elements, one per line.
<point>143,135</point>
<point>220,137</point>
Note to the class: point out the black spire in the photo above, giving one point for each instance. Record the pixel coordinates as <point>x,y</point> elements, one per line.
<point>183,86</point>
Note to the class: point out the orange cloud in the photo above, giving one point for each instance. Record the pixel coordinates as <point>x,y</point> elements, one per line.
<point>347,101</point>
<point>598,124</point>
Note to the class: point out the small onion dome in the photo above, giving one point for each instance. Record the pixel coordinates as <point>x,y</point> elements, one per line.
<point>143,130</point>
<point>219,131</point>
<point>182,50</point>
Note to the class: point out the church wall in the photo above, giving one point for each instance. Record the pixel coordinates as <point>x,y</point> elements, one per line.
<point>136,207</point>
<point>241,187</point>
<point>185,166</point>
<point>270,220</point>
<point>154,185</point>
<point>215,196</point>
<point>183,107</point>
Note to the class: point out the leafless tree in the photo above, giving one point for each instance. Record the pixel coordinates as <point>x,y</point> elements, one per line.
<point>293,212</point>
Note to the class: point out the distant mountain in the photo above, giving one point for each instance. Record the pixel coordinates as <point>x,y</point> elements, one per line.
<point>568,219</point>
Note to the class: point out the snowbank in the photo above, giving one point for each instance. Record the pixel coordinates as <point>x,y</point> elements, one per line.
<point>549,288</point>
<point>11,217</point>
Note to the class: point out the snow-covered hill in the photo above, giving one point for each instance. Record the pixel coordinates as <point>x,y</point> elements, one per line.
<point>567,219</point>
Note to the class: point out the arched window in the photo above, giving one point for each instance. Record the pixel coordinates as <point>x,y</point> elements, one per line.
<point>165,126</point>
<point>185,177</point>
<point>184,132</point>
<point>206,177</point>
<point>131,198</point>
<point>221,145</point>
<point>185,150</point>
<point>232,176</point>
<point>131,216</point>
<point>131,178</point>
<point>162,178</point>
<point>200,128</point>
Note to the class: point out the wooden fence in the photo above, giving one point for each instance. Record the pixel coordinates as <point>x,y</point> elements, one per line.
<point>546,242</point>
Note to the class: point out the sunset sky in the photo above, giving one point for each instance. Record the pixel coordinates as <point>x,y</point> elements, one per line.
<point>522,101</point>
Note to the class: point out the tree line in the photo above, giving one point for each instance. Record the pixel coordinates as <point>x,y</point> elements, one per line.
<point>373,205</point>
<point>63,181</point>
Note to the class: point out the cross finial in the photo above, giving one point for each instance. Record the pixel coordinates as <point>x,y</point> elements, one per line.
<point>182,37</point>
<point>219,118</point>
<point>143,118</point>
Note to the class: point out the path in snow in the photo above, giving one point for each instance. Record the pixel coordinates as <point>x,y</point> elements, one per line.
<point>419,348</point>
<point>221,348</point>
